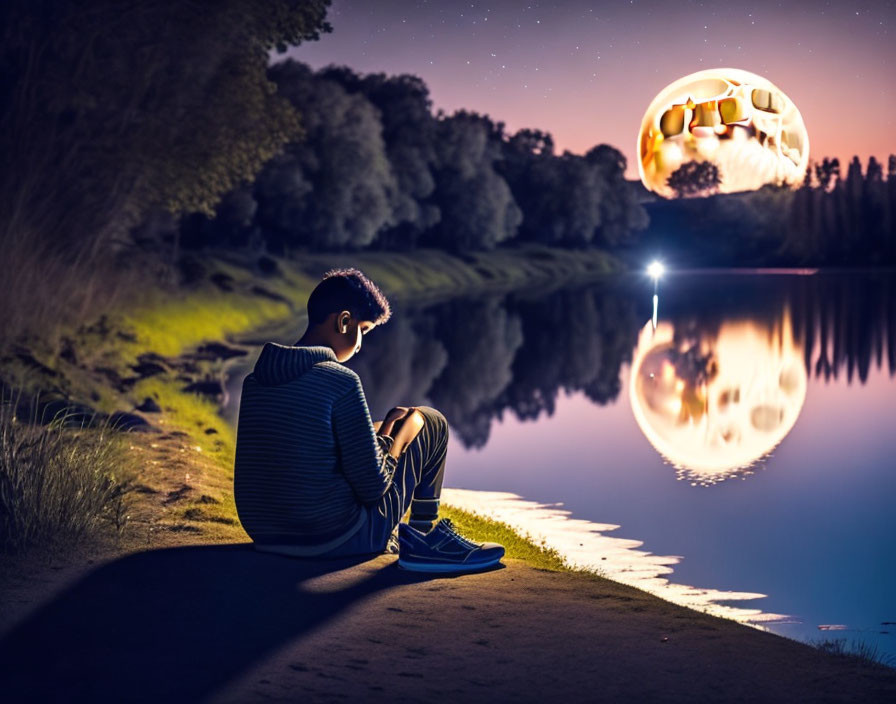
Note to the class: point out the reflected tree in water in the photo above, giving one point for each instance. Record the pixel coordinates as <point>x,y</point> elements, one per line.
<point>575,340</point>
<point>474,359</point>
<point>482,338</point>
<point>399,362</point>
<point>846,323</point>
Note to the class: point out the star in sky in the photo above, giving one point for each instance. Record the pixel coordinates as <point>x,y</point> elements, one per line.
<point>586,72</point>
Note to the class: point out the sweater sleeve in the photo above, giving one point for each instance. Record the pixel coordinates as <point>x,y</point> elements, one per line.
<point>385,442</point>
<point>367,467</point>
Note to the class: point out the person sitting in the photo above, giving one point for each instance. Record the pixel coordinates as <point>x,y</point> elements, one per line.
<point>315,476</point>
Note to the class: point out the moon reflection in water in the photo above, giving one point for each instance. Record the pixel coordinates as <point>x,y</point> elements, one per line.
<point>716,403</point>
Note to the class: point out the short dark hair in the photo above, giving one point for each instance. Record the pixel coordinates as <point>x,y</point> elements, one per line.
<point>347,289</point>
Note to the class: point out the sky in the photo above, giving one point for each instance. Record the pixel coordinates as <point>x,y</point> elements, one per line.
<point>586,71</point>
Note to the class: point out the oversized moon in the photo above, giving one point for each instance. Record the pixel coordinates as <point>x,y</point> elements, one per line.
<point>740,122</point>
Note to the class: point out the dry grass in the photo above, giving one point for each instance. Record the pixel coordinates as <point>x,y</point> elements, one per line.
<point>58,483</point>
<point>856,650</point>
<point>44,289</point>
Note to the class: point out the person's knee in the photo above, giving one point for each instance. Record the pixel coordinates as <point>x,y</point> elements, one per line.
<point>434,418</point>
<point>432,414</point>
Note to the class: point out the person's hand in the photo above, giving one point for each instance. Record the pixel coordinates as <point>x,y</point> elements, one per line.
<point>405,431</point>
<point>395,415</point>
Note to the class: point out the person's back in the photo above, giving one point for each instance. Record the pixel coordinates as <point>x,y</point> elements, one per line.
<point>313,475</point>
<point>288,483</point>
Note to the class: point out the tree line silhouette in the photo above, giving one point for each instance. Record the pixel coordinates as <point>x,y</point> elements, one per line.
<point>843,220</point>
<point>377,169</point>
<point>830,220</point>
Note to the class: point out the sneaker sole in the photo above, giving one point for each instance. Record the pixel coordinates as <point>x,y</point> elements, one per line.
<point>444,568</point>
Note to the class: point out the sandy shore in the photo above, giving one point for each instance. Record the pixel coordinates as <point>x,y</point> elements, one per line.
<point>223,623</point>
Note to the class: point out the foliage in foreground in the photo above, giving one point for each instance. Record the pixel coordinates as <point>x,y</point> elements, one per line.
<point>58,483</point>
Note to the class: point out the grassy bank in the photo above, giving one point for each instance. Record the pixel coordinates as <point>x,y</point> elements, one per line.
<point>148,358</point>
<point>234,298</point>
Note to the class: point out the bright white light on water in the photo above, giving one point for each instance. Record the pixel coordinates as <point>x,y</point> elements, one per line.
<point>655,270</point>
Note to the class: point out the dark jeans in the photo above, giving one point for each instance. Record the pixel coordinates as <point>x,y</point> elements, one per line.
<point>416,484</point>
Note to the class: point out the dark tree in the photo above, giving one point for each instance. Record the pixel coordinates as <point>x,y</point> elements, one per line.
<point>827,173</point>
<point>620,212</point>
<point>335,188</point>
<point>408,131</point>
<point>477,206</point>
<point>570,200</point>
<point>376,169</point>
<point>109,109</point>
<point>695,178</point>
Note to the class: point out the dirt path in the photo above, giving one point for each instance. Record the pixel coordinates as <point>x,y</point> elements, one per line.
<point>223,623</point>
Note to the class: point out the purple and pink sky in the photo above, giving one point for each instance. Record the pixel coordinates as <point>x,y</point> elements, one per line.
<point>586,71</point>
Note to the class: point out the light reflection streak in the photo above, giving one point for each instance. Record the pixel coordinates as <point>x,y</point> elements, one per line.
<point>584,544</point>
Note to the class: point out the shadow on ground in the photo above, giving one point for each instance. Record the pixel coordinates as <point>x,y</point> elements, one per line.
<point>177,624</point>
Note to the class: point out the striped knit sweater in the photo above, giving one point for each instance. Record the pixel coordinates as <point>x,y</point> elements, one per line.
<point>307,454</point>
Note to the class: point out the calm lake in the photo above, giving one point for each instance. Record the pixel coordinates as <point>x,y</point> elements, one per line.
<point>739,457</point>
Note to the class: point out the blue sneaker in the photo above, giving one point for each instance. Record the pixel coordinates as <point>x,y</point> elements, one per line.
<point>443,549</point>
